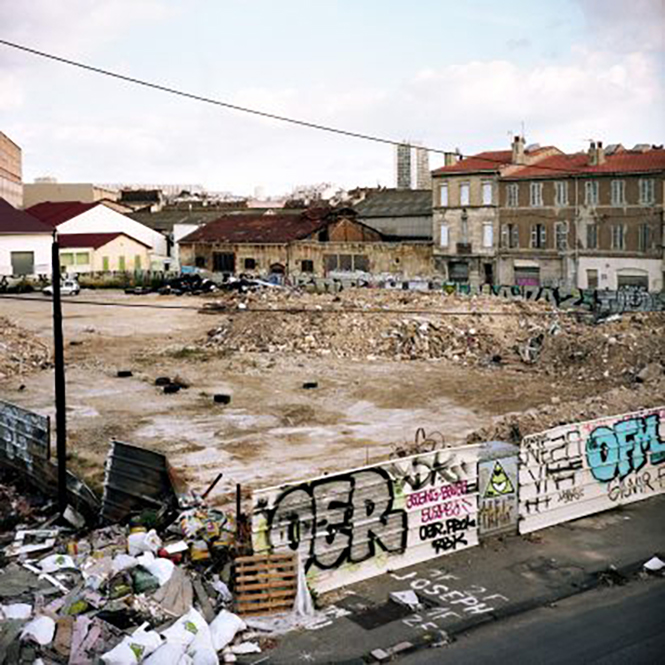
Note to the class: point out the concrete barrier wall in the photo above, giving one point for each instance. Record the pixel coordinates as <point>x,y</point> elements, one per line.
<point>353,525</point>
<point>576,470</point>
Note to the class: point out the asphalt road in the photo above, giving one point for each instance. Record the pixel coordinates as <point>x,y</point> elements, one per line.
<point>607,625</point>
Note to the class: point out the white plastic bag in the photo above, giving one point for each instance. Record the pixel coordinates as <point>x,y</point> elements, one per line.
<point>245,647</point>
<point>143,542</point>
<point>40,630</point>
<point>134,648</point>
<point>224,628</point>
<point>170,653</point>
<point>202,650</point>
<point>160,567</point>
<point>124,562</point>
<point>16,611</point>
<point>186,628</point>
<point>55,562</point>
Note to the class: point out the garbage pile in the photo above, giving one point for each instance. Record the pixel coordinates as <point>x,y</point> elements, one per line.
<point>154,589</point>
<point>20,351</point>
<point>188,283</point>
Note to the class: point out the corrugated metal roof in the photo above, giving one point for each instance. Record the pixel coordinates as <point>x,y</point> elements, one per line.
<point>396,203</point>
<point>266,228</point>
<point>18,221</point>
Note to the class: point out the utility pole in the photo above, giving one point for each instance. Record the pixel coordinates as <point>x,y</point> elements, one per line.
<point>59,358</point>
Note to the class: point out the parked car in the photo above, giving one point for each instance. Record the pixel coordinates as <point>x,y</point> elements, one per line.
<point>68,287</point>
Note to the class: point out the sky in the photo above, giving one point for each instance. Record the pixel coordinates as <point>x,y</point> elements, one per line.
<point>445,73</point>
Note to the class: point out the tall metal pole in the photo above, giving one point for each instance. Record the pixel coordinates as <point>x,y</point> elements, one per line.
<point>59,358</point>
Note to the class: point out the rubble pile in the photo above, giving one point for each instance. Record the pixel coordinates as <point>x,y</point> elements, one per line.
<point>20,350</point>
<point>375,324</point>
<point>155,590</point>
<point>399,326</point>
<point>646,393</point>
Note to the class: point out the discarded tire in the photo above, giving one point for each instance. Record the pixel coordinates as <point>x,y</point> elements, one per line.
<point>310,385</point>
<point>222,399</point>
<point>171,388</point>
<point>124,373</point>
<point>162,381</point>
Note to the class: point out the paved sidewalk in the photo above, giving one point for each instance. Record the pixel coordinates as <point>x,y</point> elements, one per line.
<point>500,578</point>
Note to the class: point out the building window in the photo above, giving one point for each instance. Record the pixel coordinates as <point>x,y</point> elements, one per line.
<point>200,261</point>
<point>444,235</point>
<point>121,263</point>
<point>592,236</point>
<point>443,195</point>
<point>561,193</point>
<point>67,259</point>
<point>513,191</point>
<point>360,263</point>
<point>538,236</point>
<point>618,236</point>
<point>510,236</point>
<point>137,262</point>
<point>82,258</point>
<point>591,193</point>
<point>536,192</point>
<point>105,263</point>
<point>618,192</point>
<point>647,191</point>
<point>644,238</point>
<point>464,194</point>
<point>592,278</point>
<point>458,271</point>
<point>562,236</point>
<point>249,264</point>
<point>306,265</point>
<point>464,228</point>
<point>224,262</point>
<point>488,234</point>
<point>487,192</point>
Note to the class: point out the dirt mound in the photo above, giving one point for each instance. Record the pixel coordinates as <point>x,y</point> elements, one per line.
<point>481,330</point>
<point>623,399</point>
<point>20,351</point>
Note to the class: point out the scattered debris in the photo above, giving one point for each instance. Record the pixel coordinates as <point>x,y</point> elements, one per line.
<point>124,373</point>
<point>20,351</point>
<point>309,385</point>
<point>655,565</point>
<point>221,398</point>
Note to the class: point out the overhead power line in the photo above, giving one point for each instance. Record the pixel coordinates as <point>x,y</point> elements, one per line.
<point>292,310</point>
<point>258,112</point>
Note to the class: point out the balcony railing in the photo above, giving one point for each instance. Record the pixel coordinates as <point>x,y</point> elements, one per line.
<point>464,248</point>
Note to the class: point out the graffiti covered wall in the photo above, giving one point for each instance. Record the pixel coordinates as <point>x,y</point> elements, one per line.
<point>357,524</point>
<point>575,470</point>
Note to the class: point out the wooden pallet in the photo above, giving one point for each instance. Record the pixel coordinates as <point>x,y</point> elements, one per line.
<point>265,583</point>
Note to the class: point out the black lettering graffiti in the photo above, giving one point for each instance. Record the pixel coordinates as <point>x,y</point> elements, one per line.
<point>343,519</point>
<point>570,495</point>
<point>449,527</point>
<point>430,470</point>
<point>627,487</point>
<point>449,542</point>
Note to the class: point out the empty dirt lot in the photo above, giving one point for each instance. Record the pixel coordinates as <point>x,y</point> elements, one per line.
<point>274,430</point>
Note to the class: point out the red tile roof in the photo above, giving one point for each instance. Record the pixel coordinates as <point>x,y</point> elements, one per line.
<point>490,160</point>
<point>264,228</point>
<point>57,212</point>
<point>627,161</point>
<point>18,221</point>
<point>93,240</point>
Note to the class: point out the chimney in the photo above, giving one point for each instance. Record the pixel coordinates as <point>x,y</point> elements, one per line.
<point>451,158</point>
<point>596,153</point>
<point>518,150</point>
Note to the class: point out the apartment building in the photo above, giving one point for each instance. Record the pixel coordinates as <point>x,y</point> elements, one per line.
<point>592,220</point>
<point>466,210</point>
<point>11,179</point>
